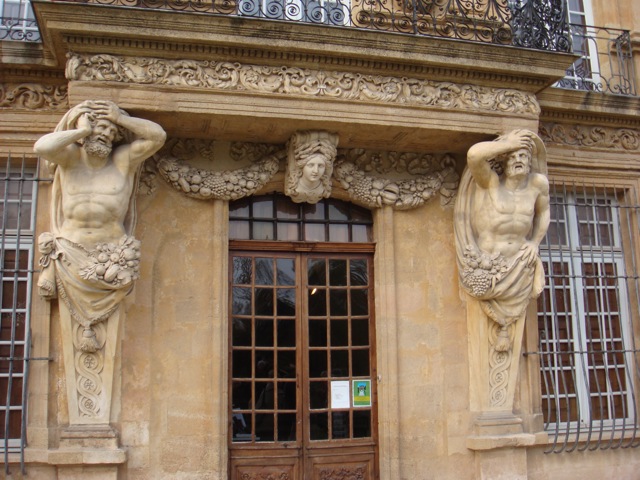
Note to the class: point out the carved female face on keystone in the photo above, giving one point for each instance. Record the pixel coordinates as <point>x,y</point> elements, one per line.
<point>312,172</point>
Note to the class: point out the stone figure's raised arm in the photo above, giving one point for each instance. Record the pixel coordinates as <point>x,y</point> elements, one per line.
<point>60,147</point>
<point>479,154</point>
<point>149,136</point>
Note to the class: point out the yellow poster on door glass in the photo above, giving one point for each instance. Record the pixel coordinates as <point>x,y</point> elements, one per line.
<point>361,393</point>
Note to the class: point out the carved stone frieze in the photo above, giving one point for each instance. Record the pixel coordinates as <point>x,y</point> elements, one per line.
<point>626,139</point>
<point>33,96</point>
<point>431,174</point>
<point>238,77</point>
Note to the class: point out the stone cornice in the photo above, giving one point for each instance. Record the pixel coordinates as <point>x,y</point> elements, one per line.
<point>576,106</point>
<point>169,34</point>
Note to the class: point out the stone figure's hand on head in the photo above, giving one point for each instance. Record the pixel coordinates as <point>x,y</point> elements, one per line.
<point>517,139</point>
<point>84,121</point>
<point>107,111</point>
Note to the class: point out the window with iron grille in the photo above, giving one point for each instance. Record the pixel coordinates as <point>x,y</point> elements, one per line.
<point>18,21</point>
<point>585,317</point>
<point>17,209</point>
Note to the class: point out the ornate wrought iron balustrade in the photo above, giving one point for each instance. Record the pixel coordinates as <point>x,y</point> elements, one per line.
<point>605,66</point>
<point>20,29</point>
<point>606,61</point>
<point>539,24</point>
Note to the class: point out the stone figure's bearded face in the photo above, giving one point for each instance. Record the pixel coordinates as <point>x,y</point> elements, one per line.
<point>100,142</point>
<point>518,163</point>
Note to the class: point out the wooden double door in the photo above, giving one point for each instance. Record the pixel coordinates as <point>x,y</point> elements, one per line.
<point>302,366</point>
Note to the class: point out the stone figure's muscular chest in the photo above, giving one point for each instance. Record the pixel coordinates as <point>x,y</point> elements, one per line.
<point>108,180</point>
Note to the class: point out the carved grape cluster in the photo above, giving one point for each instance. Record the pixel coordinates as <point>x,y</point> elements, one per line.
<point>228,185</point>
<point>481,271</point>
<point>117,264</point>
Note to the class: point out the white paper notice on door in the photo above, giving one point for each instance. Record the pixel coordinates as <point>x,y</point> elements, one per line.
<point>340,394</point>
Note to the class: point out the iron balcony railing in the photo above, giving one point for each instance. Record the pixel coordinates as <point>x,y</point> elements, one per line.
<point>605,63</point>
<point>606,56</point>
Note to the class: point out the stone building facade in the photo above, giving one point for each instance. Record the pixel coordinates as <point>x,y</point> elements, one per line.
<point>276,331</point>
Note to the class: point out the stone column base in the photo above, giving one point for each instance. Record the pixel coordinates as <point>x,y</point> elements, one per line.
<point>88,452</point>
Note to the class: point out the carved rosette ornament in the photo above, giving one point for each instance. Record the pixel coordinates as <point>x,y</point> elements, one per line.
<point>90,259</point>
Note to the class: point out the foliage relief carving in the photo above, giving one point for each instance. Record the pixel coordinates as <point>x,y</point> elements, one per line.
<point>591,136</point>
<point>33,96</point>
<point>234,76</point>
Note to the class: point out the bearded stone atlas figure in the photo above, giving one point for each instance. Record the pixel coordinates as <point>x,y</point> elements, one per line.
<point>501,216</point>
<point>90,257</point>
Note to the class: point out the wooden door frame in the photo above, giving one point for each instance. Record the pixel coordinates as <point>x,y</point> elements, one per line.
<point>301,251</point>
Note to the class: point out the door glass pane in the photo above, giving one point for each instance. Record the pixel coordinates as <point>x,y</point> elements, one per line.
<point>316,271</point>
<point>361,423</point>
<point>286,271</point>
<point>264,427</point>
<point>317,363</point>
<point>264,333</point>
<point>318,395</point>
<point>286,333</point>
<point>264,271</point>
<point>318,426</point>
<point>264,301</point>
<point>338,306</point>
<point>317,333</point>
<point>340,425</point>
<point>287,364</point>
<point>337,272</point>
<point>286,302</point>
<point>339,333</point>
<point>360,363</point>
<point>242,270</point>
<point>317,303</point>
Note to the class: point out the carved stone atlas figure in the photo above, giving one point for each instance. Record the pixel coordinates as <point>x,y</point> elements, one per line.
<point>501,216</point>
<point>90,257</point>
